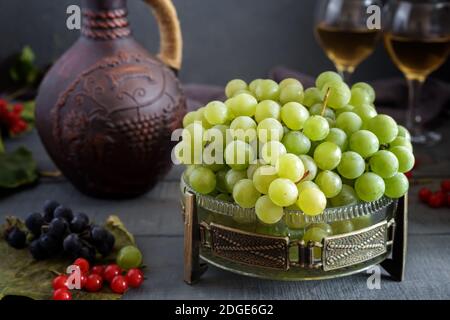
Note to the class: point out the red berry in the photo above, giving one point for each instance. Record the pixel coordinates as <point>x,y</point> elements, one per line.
<point>111,271</point>
<point>436,200</point>
<point>445,185</point>
<point>135,277</point>
<point>98,270</point>
<point>94,283</point>
<point>17,108</point>
<point>424,194</point>
<point>83,264</point>
<point>119,284</point>
<point>83,280</point>
<point>62,294</point>
<point>409,174</point>
<point>60,282</point>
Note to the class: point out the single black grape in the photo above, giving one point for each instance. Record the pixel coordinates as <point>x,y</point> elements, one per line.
<point>34,223</point>
<point>106,247</point>
<point>50,244</point>
<point>37,251</point>
<point>88,253</point>
<point>49,209</point>
<point>72,244</point>
<point>64,213</point>
<point>79,222</point>
<point>98,234</point>
<point>16,238</point>
<point>58,227</point>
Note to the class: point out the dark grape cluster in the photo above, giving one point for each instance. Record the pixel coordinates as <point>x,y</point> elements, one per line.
<point>59,231</point>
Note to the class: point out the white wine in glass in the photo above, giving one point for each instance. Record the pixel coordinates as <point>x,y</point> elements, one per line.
<point>341,29</point>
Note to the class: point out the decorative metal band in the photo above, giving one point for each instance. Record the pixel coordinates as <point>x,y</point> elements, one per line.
<point>355,247</point>
<point>249,248</point>
<point>105,25</point>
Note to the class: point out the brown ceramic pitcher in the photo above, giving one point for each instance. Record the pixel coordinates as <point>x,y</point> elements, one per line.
<point>107,108</point>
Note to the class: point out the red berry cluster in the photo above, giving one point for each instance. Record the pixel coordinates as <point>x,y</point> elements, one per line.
<point>436,199</point>
<point>92,280</point>
<point>11,117</point>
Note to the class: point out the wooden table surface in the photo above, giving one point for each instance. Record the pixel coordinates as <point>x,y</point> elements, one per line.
<point>156,222</point>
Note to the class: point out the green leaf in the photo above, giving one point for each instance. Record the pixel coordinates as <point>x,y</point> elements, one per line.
<point>27,55</point>
<point>17,168</point>
<point>28,111</point>
<point>21,275</point>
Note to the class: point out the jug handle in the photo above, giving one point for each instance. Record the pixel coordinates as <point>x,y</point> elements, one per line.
<point>171,43</point>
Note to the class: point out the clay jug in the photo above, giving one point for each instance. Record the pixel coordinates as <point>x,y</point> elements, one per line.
<point>107,108</point>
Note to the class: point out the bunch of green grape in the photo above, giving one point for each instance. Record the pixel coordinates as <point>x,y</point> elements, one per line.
<point>275,146</point>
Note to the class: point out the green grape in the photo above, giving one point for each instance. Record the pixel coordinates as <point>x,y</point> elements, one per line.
<point>315,235</point>
<point>283,192</point>
<point>203,180</point>
<point>217,134</point>
<point>338,137</point>
<point>243,128</point>
<point>310,167</point>
<point>316,110</point>
<point>238,155</point>
<point>312,201</point>
<point>369,187</point>
<point>267,211</point>
<point>302,185</point>
<point>347,108</point>
<point>327,76</point>
<point>361,222</point>
<point>189,169</point>
<point>384,127</point>
<point>365,112</point>
<point>232,177</point>
<point>329,182</point>
<point>243,91</point>
<point>271,151</point>
<point>396,186</point>
<point>294,115</point>
<point>242,105</point>
<point>291,93</point>
<point>245,193</point>
<point>339,94</point>
<point>267,109</point>
<point>384,163</point>
<point>322,225</point>
<point>263,177</point>
<point>277,229</point>
<point>352,165</point>
<point>270,130</point>
<point>341,227</point>
<point>187,153</point>
<point>221,183</point>
<point>252,168</point>
<point>267,90</point>
<point>224,197</point>
<point>405,158</point>
<point>403,132</point>
<point>200,117</point>
<point>194,133</point>
<point>368,88</point>
<point>312,96</point>
<point>252,86</point>
<point>359,97</point>
<point>316,128</point>
<point>212,159</point>
<point>400,141</point>
<point>350,122</point>
<point>295,220</point>
<point>216,112</point>
<point>296,142</point>
<point>188,118</point>
<point>290,82</point>
<point>129,257</point>
<point>290,166</point>
<point>346,197</point>
<point>364,142</point>
<point>327,155</point>
<point>233,86</point>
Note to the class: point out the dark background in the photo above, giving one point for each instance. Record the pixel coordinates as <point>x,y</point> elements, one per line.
<point>223,39</point>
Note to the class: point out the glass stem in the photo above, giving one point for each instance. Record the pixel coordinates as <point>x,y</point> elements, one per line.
<point>345,73</point>
<point>413,119</point>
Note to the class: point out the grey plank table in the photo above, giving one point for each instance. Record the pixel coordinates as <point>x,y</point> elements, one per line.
<point>156,221</point>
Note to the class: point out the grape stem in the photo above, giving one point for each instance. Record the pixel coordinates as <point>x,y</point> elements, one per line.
<point>325,101</point>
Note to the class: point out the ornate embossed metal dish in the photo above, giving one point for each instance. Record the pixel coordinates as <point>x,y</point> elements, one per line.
<point>230,237</point>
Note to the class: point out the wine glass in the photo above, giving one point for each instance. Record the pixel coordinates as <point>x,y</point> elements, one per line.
<point>417,38</point>
<point>341,29</point>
